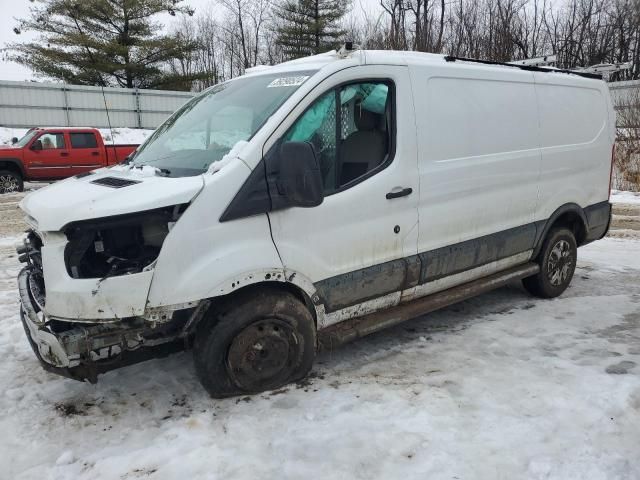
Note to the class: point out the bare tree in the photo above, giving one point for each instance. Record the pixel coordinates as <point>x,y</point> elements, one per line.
<point>627,156</point>
<point>579,32</point>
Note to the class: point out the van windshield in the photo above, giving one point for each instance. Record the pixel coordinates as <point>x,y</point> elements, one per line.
<point>207,127</point>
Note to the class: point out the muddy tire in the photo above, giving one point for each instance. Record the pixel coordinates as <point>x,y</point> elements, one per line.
<point>257,341</point>
<point>10,182</point>
<point>557,261</point>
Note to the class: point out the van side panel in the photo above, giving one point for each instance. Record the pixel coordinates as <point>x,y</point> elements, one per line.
<point>478,152</point>
<point>576,142</point>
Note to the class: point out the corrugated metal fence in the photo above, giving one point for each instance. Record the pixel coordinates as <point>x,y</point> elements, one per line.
<point>625,96</point>
<point>29,104</point>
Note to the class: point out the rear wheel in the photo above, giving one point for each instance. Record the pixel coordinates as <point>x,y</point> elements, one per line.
<point>259,341</point>
<point>557,261</point>
<point>10,182</point>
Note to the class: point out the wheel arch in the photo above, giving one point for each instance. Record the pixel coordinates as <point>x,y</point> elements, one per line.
<point>570,215</point>
<point>12,164</point>
<point>281,284</point>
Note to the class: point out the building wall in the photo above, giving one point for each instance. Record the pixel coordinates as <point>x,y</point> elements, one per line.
<point>29,104</point>
<point>625,97</point>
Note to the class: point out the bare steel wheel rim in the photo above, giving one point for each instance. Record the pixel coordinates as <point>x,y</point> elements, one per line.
<point>263,355</point>
<point>560,263</point>
<point>8,183</point>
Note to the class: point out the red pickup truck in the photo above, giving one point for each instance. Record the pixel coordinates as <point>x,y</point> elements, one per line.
<point>55,153</point>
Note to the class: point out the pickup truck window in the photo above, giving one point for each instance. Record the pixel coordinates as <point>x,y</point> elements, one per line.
<point>51,141</point>
<point>25,139</point>
<point>83,140</point>
<point>353,139</point>
<point>207,127</point>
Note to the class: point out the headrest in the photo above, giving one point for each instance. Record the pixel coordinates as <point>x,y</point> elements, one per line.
<point>364,119</point>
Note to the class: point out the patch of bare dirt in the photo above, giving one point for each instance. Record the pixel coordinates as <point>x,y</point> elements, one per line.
<point>11,217</point>
<point>626,221</point>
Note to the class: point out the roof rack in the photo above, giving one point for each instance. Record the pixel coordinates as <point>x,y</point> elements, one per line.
<point>451,58</point>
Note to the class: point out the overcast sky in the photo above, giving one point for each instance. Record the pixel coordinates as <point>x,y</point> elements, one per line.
<point>8,10</point>
<point>12,9</point>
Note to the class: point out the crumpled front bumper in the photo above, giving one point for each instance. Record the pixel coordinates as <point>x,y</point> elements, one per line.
<point>84,351</point>
<point>44,343</point>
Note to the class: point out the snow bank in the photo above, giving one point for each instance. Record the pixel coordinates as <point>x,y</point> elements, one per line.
<point>618,196</point>
<point>125,135</point>
<point>6,134</point>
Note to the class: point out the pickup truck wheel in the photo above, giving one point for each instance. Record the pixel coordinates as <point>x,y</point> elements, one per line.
<point>557,261</point>
<point>258,341</point>
<point>10,182</point>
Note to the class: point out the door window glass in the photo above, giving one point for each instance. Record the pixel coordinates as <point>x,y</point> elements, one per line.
<point>51,141</point>
<point>83,140</point>
<point>349,128</point>
<point>318,126</point>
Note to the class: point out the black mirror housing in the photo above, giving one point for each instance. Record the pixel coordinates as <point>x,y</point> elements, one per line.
<point>299,178</point>
<point>14,140</point>
<point>288,176</point>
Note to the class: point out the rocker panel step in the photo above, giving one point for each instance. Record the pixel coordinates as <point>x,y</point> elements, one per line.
<point>349,330</point>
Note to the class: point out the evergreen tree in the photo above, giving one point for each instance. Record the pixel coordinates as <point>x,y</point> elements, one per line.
<point>309,27</point>
<point>104,42</point>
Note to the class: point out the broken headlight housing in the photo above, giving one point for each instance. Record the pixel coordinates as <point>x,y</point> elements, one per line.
<point>119,245</point>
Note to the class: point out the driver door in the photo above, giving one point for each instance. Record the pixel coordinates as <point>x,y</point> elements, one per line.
<point>357,247</point>
<point>48,156</point>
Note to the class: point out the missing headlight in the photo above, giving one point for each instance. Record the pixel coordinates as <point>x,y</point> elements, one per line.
<point>118,245</point>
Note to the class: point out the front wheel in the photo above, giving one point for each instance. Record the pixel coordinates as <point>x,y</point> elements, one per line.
<point>257,341</point>
<point>10,182</point>
<point>557,261</point>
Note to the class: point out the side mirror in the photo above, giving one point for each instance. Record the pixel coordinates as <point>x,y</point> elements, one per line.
<point>14,140</point>
<point>299,178</point>
<point>37,145</point>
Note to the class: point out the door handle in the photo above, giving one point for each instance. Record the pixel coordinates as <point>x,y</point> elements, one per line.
<point>400,193</point>
<point>95,154</point>
<point>64,154</point>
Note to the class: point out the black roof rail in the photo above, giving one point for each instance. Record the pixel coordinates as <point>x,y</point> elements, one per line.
<point>451,58</point>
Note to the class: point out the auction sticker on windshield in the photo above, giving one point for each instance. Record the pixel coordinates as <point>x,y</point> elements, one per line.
<point>288,81</point>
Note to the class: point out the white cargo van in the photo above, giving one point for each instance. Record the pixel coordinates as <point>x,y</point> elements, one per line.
<point>303,205</point>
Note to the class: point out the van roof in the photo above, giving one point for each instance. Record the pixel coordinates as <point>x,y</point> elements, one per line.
<point>395,57</point>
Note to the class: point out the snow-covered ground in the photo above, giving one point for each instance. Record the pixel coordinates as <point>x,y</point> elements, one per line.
<point>503,386</point>
<point>120,135</point>
<point>625,197</point>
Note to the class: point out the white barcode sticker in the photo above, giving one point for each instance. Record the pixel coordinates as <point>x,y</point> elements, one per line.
<point>288,81</point>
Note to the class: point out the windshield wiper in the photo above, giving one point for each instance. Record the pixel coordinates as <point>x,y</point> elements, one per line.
<point>163,172</point>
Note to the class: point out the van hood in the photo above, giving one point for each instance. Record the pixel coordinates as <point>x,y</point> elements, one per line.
<point>80,198</point>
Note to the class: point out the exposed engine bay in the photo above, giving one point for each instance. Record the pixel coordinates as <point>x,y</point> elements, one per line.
<point>99,249</point>
<point>119,245</point>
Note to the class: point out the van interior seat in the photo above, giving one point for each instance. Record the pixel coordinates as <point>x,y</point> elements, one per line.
<point>365,148</point>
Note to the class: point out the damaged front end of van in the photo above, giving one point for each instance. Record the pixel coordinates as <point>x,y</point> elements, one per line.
<point>84,284</point>
<point>121,263</point>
